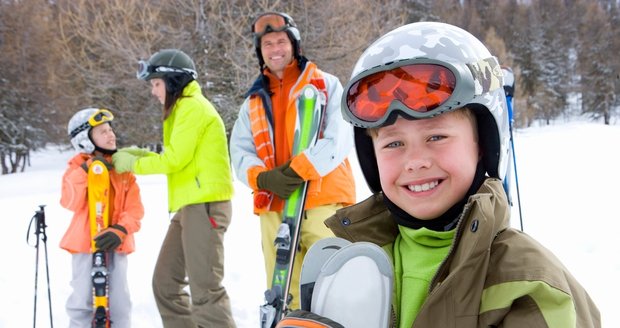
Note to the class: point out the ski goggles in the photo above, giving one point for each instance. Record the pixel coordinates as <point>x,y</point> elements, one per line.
<point>99,117</point>
<point>416,88</point>
<point>270,22</point>
<point>145,69</point>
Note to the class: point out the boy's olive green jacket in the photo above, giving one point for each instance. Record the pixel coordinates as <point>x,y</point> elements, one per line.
<point>494,275</point>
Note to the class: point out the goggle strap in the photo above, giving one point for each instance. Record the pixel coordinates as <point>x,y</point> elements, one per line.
<point>79,129</point>
<point>144,69</point>
<point>168,69</point>
<point>487,75</point>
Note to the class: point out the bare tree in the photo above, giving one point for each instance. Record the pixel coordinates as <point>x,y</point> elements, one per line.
<point>64,55</point>
<point>101,42</point>
<point>26,57</point>
<point>597,71</point>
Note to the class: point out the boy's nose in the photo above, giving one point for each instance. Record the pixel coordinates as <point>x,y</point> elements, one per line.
<point>417,162</point>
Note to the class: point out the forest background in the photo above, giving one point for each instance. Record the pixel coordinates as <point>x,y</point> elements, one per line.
<point>59,56</point>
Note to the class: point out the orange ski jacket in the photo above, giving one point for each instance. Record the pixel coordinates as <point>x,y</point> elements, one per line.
<point>324,165</point>
<point>126,209</point>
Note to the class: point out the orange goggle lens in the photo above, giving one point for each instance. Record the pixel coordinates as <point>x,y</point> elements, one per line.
<point>420,87</point>
<point>269,23</point>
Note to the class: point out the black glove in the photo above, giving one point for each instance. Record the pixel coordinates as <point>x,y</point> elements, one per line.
<point>112,237</point>
<point>87,164</point>
<point>281,180</point>
<point>104,161</point>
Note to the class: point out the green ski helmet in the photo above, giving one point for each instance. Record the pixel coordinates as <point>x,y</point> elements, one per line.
<point>421,70</point>
<point>165,62</point>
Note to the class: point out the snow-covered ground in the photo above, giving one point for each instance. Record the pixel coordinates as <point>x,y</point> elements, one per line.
<point>568,176</point>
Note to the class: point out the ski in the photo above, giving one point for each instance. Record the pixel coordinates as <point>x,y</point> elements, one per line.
<point>307,128</point>
<point>98,201</point>
<point>316,256</point>
<point>353,284</point>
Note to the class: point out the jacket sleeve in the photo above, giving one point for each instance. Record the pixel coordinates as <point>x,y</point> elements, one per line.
<point>336,142</point>
<point>130,216</point>
<point>532,288</point>
<point>74,195</point>
<point>245,160</point>
<point>183,141</point>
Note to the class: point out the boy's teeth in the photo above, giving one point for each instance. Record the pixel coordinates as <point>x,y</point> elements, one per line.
<point>423,187</point>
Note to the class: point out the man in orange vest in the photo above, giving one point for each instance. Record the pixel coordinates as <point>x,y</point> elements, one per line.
<point>262,139</point>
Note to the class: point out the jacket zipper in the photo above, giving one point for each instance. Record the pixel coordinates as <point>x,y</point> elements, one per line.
<point>432,288</point>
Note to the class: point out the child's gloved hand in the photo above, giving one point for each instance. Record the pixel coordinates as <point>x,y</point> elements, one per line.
<point>112,237</point>
<point>139,152</point>
<point>123,161</point>
<point>87,163</point>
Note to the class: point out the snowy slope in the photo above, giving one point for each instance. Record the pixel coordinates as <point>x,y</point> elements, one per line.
<point>568,177</point>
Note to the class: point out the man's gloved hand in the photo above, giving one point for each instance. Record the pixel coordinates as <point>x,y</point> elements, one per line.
<point>112,237</point>
<point>281,180</point>
<point>138,152</point>
<point>123,161</point>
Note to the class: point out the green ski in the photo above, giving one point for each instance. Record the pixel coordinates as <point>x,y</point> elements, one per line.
<point>310,105</point>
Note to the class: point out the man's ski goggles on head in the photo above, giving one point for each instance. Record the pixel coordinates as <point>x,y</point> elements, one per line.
<point>99,117</point>
<point>270,22</point>
<point>145,69</point>
<point>416,88</point>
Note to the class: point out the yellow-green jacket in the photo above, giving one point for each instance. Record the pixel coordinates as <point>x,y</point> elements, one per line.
<point>195,157</point>
<point>494,275</point>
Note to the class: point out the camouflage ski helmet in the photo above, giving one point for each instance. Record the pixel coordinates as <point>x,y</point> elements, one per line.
<point>475,77</point>
<point>80,125</point>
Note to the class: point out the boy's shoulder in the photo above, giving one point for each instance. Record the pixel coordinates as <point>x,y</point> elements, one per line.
<point>78,159</point>
<point>515,252</point>
<point>368,220</point>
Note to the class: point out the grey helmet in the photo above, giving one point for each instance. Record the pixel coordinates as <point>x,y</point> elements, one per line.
<point>80,125</point>
<point>165,62</point>
<point>480,89</point>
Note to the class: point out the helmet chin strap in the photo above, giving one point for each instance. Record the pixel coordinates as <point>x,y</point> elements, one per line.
<point>105,151</point>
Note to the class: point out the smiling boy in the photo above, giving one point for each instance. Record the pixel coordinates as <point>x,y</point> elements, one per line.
<point>431,135</point>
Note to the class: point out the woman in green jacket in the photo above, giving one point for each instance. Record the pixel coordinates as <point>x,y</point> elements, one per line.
<point>196,162</point>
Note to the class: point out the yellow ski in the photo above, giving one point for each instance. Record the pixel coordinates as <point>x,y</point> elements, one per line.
<point>98,201</point>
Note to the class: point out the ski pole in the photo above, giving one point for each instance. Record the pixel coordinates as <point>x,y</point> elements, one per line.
<point>514,162</point>
<point>39,220</point>
<point>509,89</point>
<point>514,157</point>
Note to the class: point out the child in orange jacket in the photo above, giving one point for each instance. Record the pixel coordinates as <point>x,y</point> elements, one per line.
<point>93,137</point>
